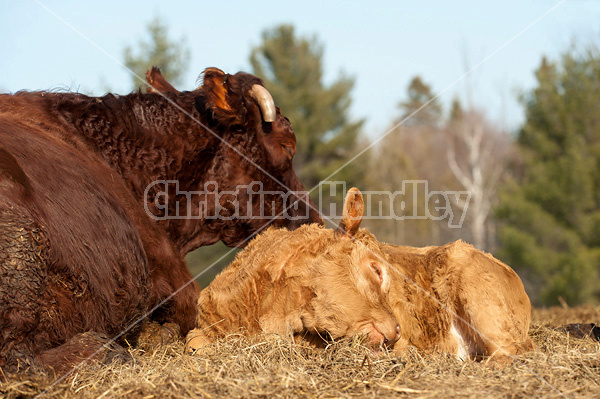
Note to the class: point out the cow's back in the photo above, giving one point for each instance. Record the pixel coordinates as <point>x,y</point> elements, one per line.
<point>81,255</point>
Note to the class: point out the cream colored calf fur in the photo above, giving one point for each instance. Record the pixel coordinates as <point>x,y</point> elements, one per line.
<point>459,300</point>
<point>308,283</point>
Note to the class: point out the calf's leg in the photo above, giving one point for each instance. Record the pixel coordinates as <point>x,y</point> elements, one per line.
<point>195,340</point>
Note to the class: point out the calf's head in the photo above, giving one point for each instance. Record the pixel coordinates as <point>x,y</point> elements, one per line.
<point>352,284</point>
<point>244,157</point>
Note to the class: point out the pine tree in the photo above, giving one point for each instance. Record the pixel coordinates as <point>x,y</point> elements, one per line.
<point>411,151</point>
<point>419,93</point>
<point>292,69</point>
<point>552,208</point>
<point>170,56</point>
<point>456,111</point>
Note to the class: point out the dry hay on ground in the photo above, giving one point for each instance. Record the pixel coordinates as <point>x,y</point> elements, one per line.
<point>558,316</point>
<point>272,367</point>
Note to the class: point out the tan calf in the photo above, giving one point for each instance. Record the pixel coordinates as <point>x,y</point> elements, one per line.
<point>305,283</point>
<point>459,300</point>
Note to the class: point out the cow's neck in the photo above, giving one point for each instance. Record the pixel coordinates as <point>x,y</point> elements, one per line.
<point>144,137</point>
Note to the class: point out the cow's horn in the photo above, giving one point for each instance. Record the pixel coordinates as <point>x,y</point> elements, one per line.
<point>265,101</point>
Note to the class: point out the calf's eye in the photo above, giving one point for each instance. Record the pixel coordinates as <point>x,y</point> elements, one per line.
<point>376,268</point>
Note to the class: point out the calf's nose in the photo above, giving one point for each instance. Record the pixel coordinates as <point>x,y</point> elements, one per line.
<point>390,341</point>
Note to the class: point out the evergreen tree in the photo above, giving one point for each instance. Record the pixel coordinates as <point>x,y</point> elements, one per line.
<point>456,111</point>
<point>419,93</point>
<point>292,69</point>
<point>170,56</point>
<point>552,208</point>
<point>414,150</point>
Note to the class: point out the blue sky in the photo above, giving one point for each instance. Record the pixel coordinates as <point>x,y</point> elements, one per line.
<point>381,44</point>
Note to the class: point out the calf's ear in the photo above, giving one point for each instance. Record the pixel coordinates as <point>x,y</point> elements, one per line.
<point>354,209</point>
<point>157,83</point>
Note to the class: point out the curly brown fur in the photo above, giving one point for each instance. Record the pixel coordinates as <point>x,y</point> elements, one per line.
<point>78,251</point>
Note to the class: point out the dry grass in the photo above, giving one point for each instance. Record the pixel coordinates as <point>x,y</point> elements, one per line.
<point>271,367</point>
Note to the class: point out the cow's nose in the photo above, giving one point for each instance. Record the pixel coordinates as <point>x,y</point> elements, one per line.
<point>397,332</point>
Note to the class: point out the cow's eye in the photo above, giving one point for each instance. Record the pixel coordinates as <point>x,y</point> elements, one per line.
<point>289,149</point>
<point>267,127</point>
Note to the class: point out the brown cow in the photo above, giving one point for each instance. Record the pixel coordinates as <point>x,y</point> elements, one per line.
<point>305,283</point>
<point>459,300</point>
<point>90,242</point>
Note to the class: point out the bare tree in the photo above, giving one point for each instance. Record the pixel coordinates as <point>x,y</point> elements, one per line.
<point>464,152</point>
<point>477,155</point>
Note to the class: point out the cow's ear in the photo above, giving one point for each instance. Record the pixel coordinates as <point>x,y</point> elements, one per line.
<point>218,98</point>
<point>157,83</point>
<point>354,209</point>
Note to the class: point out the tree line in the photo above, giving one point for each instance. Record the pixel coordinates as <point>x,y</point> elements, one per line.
<point>534,194</point>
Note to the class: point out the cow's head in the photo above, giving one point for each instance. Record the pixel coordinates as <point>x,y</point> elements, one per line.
<point>353,283</point>
<point>244,162</point>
